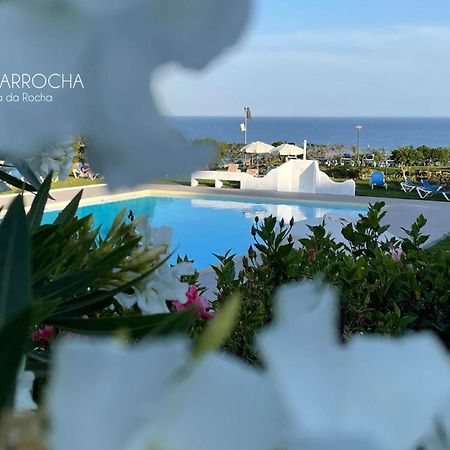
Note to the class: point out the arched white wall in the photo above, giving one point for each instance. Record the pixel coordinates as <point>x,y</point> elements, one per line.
<point>292,176</point>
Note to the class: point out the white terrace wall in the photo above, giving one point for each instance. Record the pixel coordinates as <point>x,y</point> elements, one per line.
<point>292,176</point>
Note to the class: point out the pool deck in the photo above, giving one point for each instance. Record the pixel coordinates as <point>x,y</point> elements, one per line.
<point>400,213</point>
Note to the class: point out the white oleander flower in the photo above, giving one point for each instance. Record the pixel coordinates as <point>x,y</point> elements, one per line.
<point>106,396</point>
<point>163,284</point>
<point>384,390</point>
<point>160,286</point>
<point>153,236</point>
<point>114,47</point>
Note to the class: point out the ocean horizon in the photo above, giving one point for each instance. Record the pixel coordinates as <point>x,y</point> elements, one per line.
<point>377,133</point>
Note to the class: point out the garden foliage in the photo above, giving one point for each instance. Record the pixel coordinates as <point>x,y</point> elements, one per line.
<point>386,287</point>
<point>63,277</point>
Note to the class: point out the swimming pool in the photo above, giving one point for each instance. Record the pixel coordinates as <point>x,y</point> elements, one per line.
<point>203,225</point>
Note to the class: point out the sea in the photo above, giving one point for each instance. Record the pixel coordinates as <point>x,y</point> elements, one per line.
<point>377,133</point>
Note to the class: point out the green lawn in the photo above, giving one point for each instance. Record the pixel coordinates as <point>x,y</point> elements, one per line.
<point>75,182</point>
<point>69,182</point>
<point>393,191</point>
<point>362,189</point>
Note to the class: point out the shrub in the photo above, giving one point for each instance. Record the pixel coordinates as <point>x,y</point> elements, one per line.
<point>385,287</point>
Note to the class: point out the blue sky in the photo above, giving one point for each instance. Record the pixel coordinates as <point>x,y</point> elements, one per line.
<point>325,58</point>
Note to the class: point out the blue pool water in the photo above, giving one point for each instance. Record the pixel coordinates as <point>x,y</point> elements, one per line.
<point>206,225</point>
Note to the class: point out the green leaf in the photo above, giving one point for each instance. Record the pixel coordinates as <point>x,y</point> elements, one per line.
<point>155,325</point>
<point>117,255</point>
<point>15,297</point>
<point>13,181</point>
<point>14,262</point>
<point>41,310</point>
<point>13,337</point>
<point>43,233</point>
<point>284,251</point>
<point>220,328</point>
<point>97,300</point>
<point>73,225</point>
<point>67,285</point>
<point>37,208</point>
<point>87,304</point>
<point>69,212</point>
<point>116,223</point>
<point>84,247</point>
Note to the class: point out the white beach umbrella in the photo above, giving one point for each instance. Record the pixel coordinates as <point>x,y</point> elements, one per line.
<point>258,148</point>
<point>288,150</point>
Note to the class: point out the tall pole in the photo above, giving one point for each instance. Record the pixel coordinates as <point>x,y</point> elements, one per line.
<point>247,117</point>
<point>358,131</point>
<point>245,125</point>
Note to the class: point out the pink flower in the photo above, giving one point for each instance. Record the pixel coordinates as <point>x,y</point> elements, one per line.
<point>45,333</point>
<point>202,305</point>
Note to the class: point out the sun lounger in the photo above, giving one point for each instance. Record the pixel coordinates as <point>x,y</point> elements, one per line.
<point>408,185</point>
<point>94,175</point>
<point>428,189</point>
<point>377,179</point>
<point>233,168</point>
<point>446,195</point>
<point>252,172</point>
<point>42,178</point>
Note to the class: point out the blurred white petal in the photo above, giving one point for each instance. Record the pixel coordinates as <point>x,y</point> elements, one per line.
<point>334,442</point>
<point>115,47</point>
<point>388,389</point>
<point>42,38</point>
<point>105,396</point>
<point>23,400</point>
<point>102,392</point>
<point>145,230</point>
<point>105,6</point>
<point>438,437</point>
<point>183,269</point>
<point>161,236</point>
<point>223,405</point>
